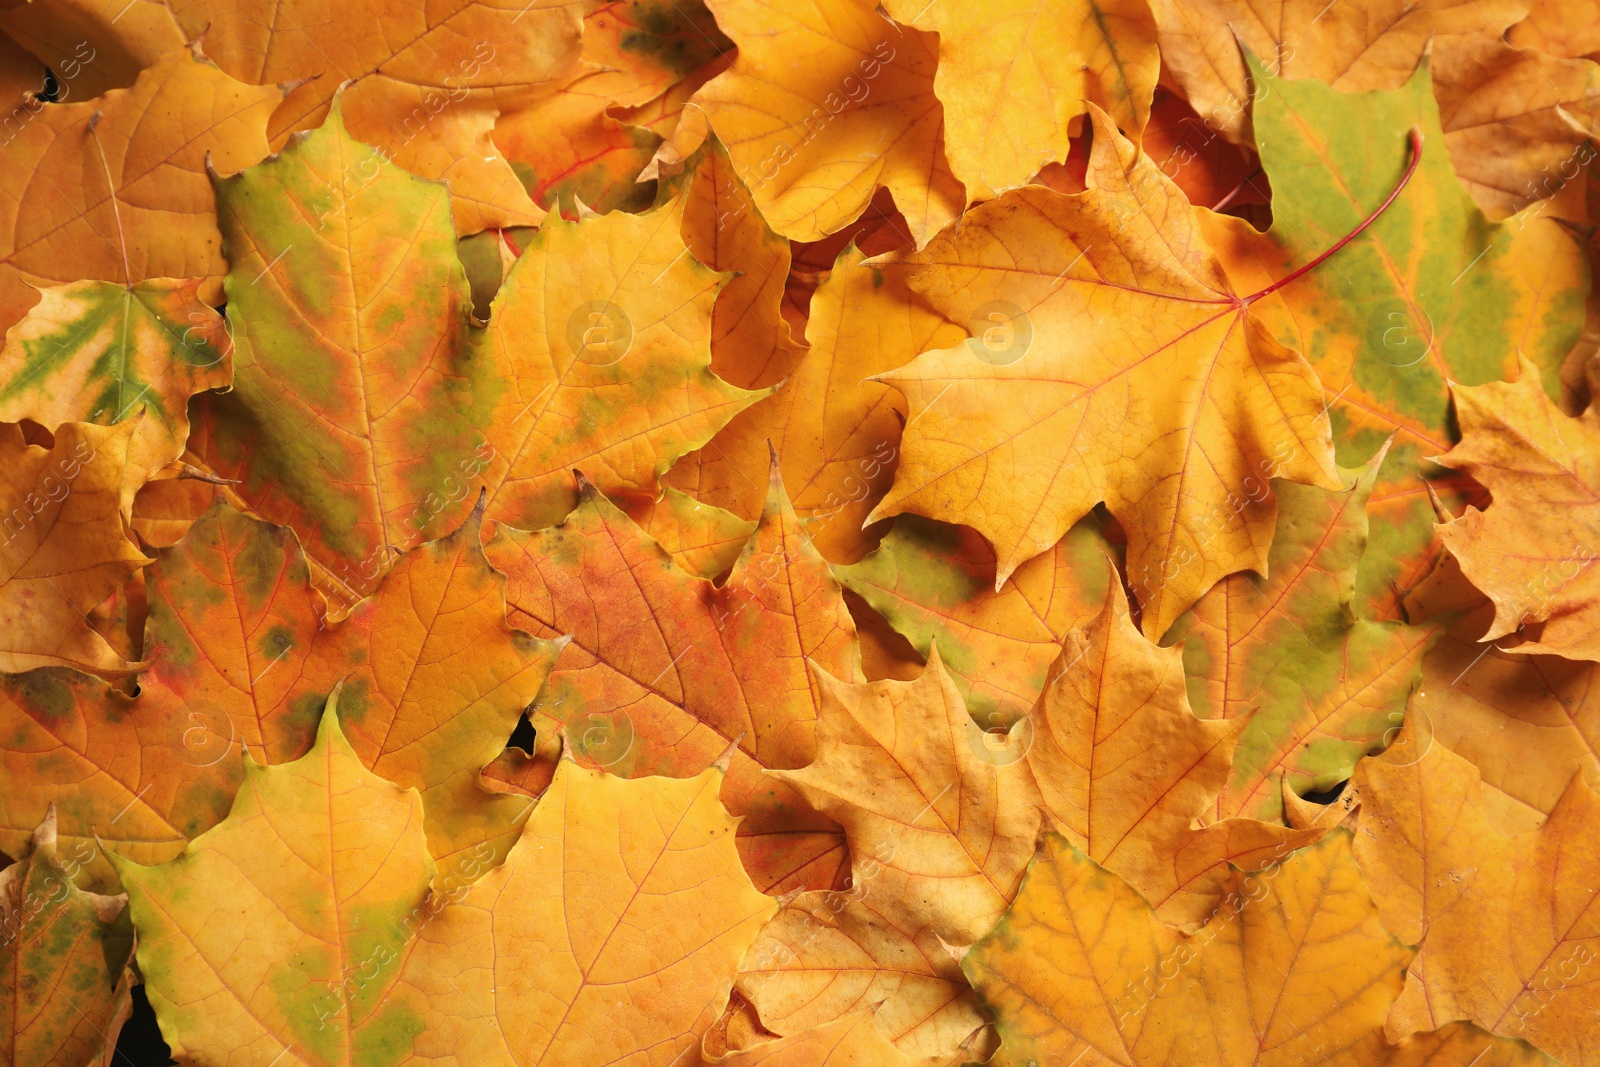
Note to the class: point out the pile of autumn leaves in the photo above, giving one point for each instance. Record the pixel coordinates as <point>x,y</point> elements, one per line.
<point>1222,690</point>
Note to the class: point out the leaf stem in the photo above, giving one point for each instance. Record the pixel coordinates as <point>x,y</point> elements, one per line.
<point>1414,140</point>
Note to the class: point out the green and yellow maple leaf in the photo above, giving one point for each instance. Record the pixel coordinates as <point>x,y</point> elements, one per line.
<point>62,952</point>
<point>1432,292</point>
<point>260,936</point>
<point>1319,686</point>
<point>100,352</point>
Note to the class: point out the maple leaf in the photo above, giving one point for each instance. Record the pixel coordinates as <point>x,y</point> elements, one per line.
<point>935,584</point>
<point>666,669</point>
<point>1508,925</point>
<point>751,343</point>
<point>66,544</point>
<point>939,832</point>
<point>610,935</point>
<point>827,101</point>
<point>259,937</point>
<point>1318,686</point>
<point>1534,551</point>
<point>568,145</point>
<point>63,954</point>
<point>1525,721</point>
<point>426,91</point>
<point>434,680</point>
<point>892,754</point>
<point>837,432</point>
<point>357,404</point>
<point>1013,77</point>
<point>1119,366</point>
<point>1080,966</point>
<point>600,337</point>
<point>99,352</point>
<point>830,954</point>
<point>1431,292</point>
<point>124,197</point>
<point>1123,768</point>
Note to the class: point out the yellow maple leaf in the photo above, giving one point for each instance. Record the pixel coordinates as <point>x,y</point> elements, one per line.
<point>1295,968</point>
<point>1535,552</point>
<point>1014,75</point>
<point>827,101</point>
<point>609,936</point>
<point>1508,925</point>
<point>1124,769</point>
<point>66,545</point>
<point>278,930</point>
<point>1111,361</point>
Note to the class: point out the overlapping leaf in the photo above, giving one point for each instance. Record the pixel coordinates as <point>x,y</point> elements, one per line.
<point>600,340</point>
<point>1527,722</point>
<point>1516,118</point>
<point>1508,926</point>
<point>609,936</point>
<point>66,545</point>
<point>903,768</point>
<point>279,930</point>
<point>827,101</point>
<point>99,352</point>
<point>426,90</point>
<point>666,670</point>
<point>62,951</point>
<point>356,394</point>
<point>829,955</point>
<point>125,197</point>
<point>434,681</point>
<point>1351,47</point>
<point>751,342</point>
<point>568,145</point>
<point>1318,686</point>
<point>1112,361</point>
<point>1431,292</point>
<point>1535,552</point>
<point>1080,967</point>
<point>1014,78</point>
<point>939,832</point>
<point>1124,769</point>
